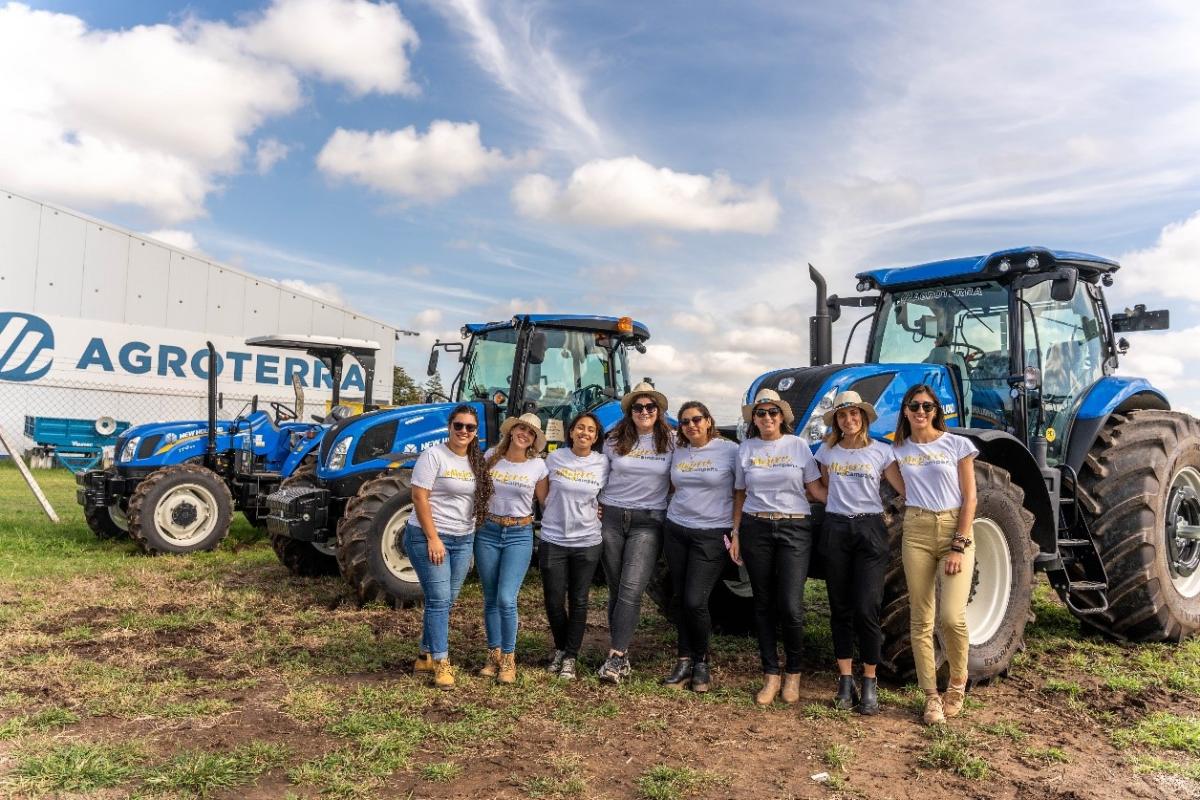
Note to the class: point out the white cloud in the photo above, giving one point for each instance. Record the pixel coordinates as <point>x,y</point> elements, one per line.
<point>1176,253</point>
<point>176,238</point>
<point>268,153</point>
<point>517,305</point>
<point>329,292</point>
<point>155,116</point>
<point>443,162</point>
<point>361,44</point>
<point>428,319</point>
<point>626,192</point>
<point>508,44</point>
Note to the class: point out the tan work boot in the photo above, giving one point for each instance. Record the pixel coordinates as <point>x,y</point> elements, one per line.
<point>443,674</point>
<point>791,687</point>
<point>492,666</point>
<point>953,699</point>
<point>770,690</point>
<point>508,668</point>
<point>934,715</point>
<point>424,663</point>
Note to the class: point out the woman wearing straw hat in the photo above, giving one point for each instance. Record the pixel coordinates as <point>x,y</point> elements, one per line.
<point>504,544</point>
<point>854,542</point>
<point>773,535</point>
<point>633,502</point>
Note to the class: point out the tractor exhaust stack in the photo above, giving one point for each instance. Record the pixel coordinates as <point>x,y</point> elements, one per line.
<point>211,452</point>
<point>820,326</point>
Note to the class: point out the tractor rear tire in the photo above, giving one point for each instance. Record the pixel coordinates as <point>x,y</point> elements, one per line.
<point>730,606</point>
<point>180,509</point>
<point>1142,464</point>
<point>305,559</point>
<point>1002,585</point>
<point>371,542</point>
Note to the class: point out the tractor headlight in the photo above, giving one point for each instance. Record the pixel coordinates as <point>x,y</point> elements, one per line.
<point>130,449</point>
<point>814,427</point>
<point>337,456</point>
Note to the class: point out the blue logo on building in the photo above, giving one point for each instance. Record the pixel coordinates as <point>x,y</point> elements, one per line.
<point>26,347</point>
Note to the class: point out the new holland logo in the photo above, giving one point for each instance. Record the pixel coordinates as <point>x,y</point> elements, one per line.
<point>26,347</point>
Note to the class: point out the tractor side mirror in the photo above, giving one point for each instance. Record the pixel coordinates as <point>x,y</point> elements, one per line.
<point>1063,289</point>
<point>929,326</point>
<point>537,347</point>
<point>433,359</point>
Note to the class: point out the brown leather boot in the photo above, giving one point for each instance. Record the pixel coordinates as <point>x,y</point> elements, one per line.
<point>791,687</point>
<point>770,690</point>
<point>492,666</point>
<point>443,674</point>
<point>508,668</point>
<point>953,699</point>
<point>934,715</point>
<point>424,663</point>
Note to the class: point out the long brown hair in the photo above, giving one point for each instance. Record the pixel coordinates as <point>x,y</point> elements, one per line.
<point>624,436</point>
<point>903,429</point>
<point>836,434</point>
<point>682,440</point>
<point>598,444</point>
<point>483,479</point>
<point>785,427</point>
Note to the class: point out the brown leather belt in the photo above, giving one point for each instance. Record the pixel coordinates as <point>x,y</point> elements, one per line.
<point>775,515</point>
<point>510,522</point>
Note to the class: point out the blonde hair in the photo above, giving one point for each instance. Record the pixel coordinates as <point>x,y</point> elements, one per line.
<point>836,434</point>
<point>505,442</point>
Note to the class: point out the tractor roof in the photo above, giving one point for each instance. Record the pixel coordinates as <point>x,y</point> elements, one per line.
<point>1002,262</point>
<point>309,343</point>
<point>573,321</point>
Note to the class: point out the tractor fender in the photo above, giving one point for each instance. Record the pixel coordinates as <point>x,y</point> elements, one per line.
<point>1008,452</point>
<point>295,458</point>
<point>1110,395</point>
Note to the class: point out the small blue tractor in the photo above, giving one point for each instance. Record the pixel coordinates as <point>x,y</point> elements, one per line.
<point>175,485</point>
<point>1083,474</point>
<point>348,516</point>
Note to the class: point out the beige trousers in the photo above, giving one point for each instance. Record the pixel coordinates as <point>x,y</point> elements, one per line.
<point>927,538</point>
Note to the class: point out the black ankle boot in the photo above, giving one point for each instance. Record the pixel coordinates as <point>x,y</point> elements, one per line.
<point>847,695</point>
<point>681,675</point>
<point>870,697</point>
<point>700,677</point>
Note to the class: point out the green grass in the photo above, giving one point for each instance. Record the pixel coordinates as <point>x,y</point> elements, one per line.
<point>1005,730</point>
<point>824,711</point>
<point>663,782</point>
<point>838,756</point>
<point>567,781</point>
<point>1162,731</point>
<point>76,767</point>
<point>1047,755</point>
<point>441,772</point>
<point>951,751</point>
<point>1188,769</point>
<point>40,722</point>
<point>199,773</point>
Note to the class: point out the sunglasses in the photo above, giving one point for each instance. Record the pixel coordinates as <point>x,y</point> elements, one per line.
<point>696,420</point>
<point>643,407</point>
<point>925,406</point>
<point>469,427</point>
<point>767,412</point>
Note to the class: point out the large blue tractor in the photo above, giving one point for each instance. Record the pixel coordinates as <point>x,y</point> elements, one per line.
<point>349,513</point>
<point>1083,474</point>
<point>174,486</point>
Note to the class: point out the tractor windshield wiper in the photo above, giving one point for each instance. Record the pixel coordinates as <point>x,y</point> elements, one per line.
<point>970,311</point>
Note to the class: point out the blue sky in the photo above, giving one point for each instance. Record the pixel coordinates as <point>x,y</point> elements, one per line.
<point>434,163</point>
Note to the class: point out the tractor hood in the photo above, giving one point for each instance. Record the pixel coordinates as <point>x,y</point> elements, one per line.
<point>159,444</point>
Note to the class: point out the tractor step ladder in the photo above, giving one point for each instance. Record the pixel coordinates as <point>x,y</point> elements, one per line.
<point>1079,554</point>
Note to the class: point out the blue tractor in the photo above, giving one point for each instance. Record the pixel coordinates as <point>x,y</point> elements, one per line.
<point>1083,474</point>
<point>349,514</point>
<point>174,486</point>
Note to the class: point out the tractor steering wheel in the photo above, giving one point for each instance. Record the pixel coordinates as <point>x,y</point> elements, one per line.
<point>973,351</point>
<point>585,396</point>
<point>282,413</point>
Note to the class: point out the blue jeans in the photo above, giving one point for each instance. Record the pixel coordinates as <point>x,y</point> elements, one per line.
<point>440,583</point>
<point>502,558</point>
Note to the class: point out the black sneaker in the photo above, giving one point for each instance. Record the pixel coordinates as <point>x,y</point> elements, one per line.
<point>614,669</point>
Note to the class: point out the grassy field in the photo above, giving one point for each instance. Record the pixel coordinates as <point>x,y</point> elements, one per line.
<point>220,675</point>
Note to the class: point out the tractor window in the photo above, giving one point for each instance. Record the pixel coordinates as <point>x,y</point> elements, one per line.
<point>573,376</point>
<point>1063,341</point>
<point>489,366</point>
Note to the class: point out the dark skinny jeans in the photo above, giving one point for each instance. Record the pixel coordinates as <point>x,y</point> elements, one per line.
<point>632,541</point>
<point>566,582</point>
<point>856,559</point>
<point>777,553</point>
<point>696,558</point>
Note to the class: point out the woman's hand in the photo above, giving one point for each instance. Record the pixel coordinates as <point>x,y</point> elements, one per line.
<point>437,551</point>
<point>735,550</point>
<point>954,563</point>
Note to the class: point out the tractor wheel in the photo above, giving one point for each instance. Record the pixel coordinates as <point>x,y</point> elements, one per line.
<point>306,559</point>
<point>731,605</point>
<point>108,522</point>
<point>1001,586</point>
<point>1140,489</point>
<point>371,542</point>
<point>180,509</point>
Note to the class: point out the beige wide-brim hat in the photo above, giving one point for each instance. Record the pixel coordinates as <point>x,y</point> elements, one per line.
<point>769,397</point>
<point>532,421</point>
<point>648,389</point>
<point>850,400</point>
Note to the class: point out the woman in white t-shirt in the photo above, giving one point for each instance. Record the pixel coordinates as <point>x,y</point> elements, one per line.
<point>939,480</point>
<point>854,542</point>
<point>504,544</point>
<point>772,532</point>
<point>634,501</point>
<point>571,542</point>
<point>450,491</point>
<point>699,519</point>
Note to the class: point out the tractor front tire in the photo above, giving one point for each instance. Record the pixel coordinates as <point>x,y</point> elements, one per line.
<point>180,509</point>
<point>1001,586</point>
<point>1140,481</point>
<point>305,559</point>
<point>107,522</point>
<point>371,542</point>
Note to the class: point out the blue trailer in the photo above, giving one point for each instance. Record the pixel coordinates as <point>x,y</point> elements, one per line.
<point>77,444</point>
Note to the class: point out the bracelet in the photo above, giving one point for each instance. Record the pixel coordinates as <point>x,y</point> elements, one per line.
<point>959,550</point>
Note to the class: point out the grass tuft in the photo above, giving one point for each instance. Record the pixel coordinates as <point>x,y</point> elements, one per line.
<point>950,751</point>
<point>1163,730</point>
<point>200,773</point>
<point>663,782</point>
<point>441,772</point>
<point>78,767</point>
<point>40,722</point>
